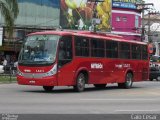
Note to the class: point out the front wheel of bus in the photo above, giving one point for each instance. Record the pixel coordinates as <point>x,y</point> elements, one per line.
<point>80,83</point>
<point>48,88</point>
<point>128,81</point>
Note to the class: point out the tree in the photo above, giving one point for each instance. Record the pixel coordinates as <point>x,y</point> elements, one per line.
<point>9,10</point>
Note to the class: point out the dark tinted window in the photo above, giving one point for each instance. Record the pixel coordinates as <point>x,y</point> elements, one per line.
<point>65,50</point>
<point>111,49</point>
<point>124,50</point>
<point>144,52</point>
<point>97,48</point>
<point>82,46</point>
<point>136,51</point>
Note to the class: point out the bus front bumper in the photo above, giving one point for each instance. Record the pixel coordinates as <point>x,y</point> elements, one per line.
<point>46,81</point>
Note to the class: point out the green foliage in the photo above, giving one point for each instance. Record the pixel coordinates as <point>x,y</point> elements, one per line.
<point>7,79</point>
<point>9,10</point>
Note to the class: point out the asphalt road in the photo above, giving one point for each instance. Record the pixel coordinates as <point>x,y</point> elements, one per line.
<point>144,97</point>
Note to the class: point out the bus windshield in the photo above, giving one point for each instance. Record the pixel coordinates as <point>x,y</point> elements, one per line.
<point>39,49</point>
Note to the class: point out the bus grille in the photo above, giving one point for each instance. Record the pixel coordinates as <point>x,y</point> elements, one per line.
<point>31,75</point>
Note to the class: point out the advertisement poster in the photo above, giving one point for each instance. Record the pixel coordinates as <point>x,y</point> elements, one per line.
<point>84,14</point>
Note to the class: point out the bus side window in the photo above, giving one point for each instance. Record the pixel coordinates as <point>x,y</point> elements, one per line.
<point>124,50</point>
<point>81,46</point>
<point>111,49</point>
<point>97,48</point>
<point>136,54</point>
<point>144,52</point>
<point>65,50</point>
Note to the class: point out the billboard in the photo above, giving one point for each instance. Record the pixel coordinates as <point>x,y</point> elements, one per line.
<point>130,4</point>
<point>49,3</point>
<point>84,14</point>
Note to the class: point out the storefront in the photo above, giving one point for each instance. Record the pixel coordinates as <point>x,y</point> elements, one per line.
<point>34,15</point>
<point>126,19</point>
<point>119,16</point>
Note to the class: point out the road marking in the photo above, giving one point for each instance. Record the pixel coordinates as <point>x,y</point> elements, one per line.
<point>95,99</point>
<point>137,110</point>
<point>154,93</point>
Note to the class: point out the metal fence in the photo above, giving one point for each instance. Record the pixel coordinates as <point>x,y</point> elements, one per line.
<point>9,74</point>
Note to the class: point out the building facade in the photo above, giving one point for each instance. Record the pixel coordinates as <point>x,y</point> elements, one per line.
<point>126,19</point>
<point>34,15</point>
<point>37,15</point>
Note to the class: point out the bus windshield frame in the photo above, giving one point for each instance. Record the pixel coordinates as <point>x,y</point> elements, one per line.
<point>39,50</point>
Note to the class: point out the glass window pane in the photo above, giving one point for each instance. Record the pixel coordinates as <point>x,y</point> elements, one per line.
<point>82,46</point>
<point>97,48</point>
<point>111,49</point>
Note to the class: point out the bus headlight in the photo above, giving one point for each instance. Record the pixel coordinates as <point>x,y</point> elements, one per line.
<point>53,71</point>
<point>19,72</point>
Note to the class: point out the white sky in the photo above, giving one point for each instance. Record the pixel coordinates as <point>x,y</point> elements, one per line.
<point>155,26</point>
<point>156,4</point>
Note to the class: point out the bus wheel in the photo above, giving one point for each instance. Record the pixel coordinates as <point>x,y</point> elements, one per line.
<point>128,81</point>
<point>158,78</point>
<point>151,79</point>
<point>48,88</point>
<point>80,83</point>
<point>100,85</point>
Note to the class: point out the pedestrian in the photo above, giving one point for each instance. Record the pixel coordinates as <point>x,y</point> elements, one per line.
<point>14,69</point>
<point>4,63</point>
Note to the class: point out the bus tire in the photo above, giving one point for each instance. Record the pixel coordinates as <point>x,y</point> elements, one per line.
<point>151,79</point>
<point>80,83</point>
<point>100,85</point>
<point>48,88</point>
<point>128,82</point>
<point>158,79</point>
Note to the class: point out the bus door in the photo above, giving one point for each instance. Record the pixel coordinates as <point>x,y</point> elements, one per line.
<point>65,65</point>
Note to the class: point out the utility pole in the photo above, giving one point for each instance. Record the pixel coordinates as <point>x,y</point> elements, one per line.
<point>149,27</point>
<point>142,7</point>
<point>143,26</point>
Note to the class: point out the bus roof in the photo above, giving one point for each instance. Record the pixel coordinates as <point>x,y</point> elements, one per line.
<point>101,35</point>
<point>61,33</point>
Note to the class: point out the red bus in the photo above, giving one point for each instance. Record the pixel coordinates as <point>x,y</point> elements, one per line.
<point>76,58</point>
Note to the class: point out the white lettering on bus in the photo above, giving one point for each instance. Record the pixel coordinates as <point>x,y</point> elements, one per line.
<point>39,71</point>
<point>27,71</point>
<point>122,65</point>
<point>118,66</point>
<point>96,66</point>
<point>126,65</point>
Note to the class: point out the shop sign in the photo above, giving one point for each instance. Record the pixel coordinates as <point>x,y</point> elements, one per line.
<point>84,14</point>
<point>130,4</point>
